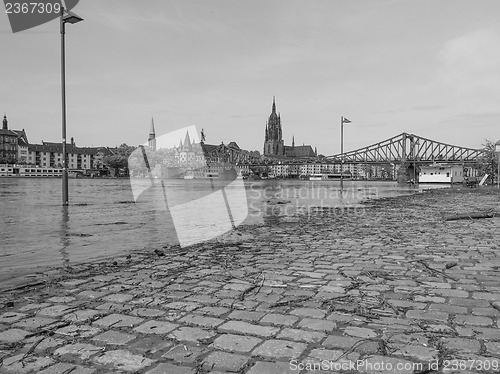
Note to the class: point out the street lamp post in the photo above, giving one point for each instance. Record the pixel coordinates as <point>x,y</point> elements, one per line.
<point>66,17</point>
<point>342,121</point>
<point>497,150</point>
<point>415,162</point>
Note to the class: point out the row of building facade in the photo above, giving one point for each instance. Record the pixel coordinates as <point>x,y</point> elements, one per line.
<point>356,171</point>
<point>15,148</point>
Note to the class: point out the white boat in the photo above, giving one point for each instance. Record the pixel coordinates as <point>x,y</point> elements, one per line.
<point>328,176</point>
<point>29,171</point>
<point>316,177</point>
<point>189,174</point>
<point>441,173</point>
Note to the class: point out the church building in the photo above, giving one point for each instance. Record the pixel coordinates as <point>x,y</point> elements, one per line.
<point>274,144</point>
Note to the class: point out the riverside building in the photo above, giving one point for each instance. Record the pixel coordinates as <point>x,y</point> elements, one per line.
<point>9,142</point>
<point>16,149</point>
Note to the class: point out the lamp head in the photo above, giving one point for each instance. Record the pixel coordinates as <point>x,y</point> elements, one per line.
<point>71,17</point>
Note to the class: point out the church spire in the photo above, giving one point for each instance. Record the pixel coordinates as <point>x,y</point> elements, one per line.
<point>152,134</point>
<point>187,141</point>
<point>293,141</point>
<point>274,105</point>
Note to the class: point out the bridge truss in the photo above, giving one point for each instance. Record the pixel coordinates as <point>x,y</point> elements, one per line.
<point>409,147</point>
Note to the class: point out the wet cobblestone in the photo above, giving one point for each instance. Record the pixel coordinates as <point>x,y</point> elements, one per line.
<point>395,284</point>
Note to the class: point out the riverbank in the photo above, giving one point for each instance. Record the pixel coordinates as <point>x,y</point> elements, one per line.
<point>390,282</point>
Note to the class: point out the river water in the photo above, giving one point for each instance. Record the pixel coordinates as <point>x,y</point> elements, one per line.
<point>103,220</point>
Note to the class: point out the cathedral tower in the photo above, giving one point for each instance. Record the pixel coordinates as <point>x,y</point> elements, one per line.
<point>273,143</point>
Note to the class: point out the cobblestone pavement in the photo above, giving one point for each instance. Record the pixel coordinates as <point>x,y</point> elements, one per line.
<point>379,289</point>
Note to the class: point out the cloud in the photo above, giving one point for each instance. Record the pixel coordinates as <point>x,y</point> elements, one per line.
<point>486,115</point>
<point>476,119</point>
<point>243,116</point>
<point>470,63</point>
<point>427,107</point>
<point>373,125</point>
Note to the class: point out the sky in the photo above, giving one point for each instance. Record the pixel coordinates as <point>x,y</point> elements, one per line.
<point>431,68</point>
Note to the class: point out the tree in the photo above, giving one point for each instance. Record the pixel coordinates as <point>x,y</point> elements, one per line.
<point>124,150</point>
<point>367,170</point>
<point>7,160</point>
<point>387,172</point>
<point>115,163</point>
<point>488,162</point>
<point>119,159</point>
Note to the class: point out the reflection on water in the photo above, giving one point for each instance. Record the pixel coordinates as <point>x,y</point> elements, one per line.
<point>102,219</point>
<point>64,235</point>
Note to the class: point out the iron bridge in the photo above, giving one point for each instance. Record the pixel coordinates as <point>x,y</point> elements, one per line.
<point>409,148</point>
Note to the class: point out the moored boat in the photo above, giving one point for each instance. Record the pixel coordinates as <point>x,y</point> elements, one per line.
<point>329,176</point>
<point>29,171</point>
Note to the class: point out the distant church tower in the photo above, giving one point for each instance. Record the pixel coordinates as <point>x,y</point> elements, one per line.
<point>152,136</point>
<point>4,123</point>
<point>273,144</point>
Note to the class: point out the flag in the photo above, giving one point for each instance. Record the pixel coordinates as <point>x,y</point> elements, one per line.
<point>345,120</point>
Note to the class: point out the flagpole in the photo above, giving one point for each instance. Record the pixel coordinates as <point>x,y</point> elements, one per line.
<point>341,153</point>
